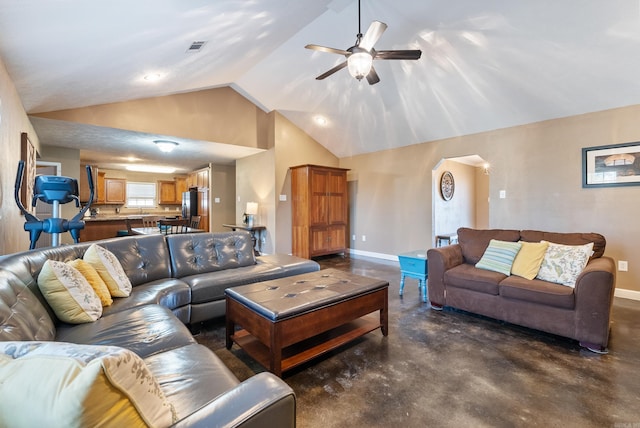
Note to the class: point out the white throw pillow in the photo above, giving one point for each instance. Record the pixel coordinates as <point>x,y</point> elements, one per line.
<point>57,384</point>
<point>109,269</point>
<point>68,293</point>
<point>563,264</point>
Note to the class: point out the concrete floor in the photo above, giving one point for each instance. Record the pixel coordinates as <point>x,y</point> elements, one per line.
<point>455,369</point>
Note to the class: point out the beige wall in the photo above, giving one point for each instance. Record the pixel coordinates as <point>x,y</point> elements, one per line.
<point>13,122</point>
<point>539,167</point>
<point>221,115</point>
<point>223,187</point>
<point>265,176</point>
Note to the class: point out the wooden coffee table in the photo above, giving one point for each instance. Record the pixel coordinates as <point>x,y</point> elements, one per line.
<point>289,321</point>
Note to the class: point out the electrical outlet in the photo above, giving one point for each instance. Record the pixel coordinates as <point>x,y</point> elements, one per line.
<point>623,265</point>
<point>283,198</point>
<point>503,194</point>
<point>364,238</point>
<point>216,200</point>
<point>353,238</point>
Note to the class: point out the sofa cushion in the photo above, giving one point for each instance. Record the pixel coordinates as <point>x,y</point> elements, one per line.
<point>22,315</point>
<point>109,269</point>
<point>94,280</point>
<point>190,377</point>
<point>68,293</point>
<point>469,277</point>
<point>537,291</point>
<point>527,262</point>
<point>143,258</point>
<point>170,293</point>
<point>63,384</point>
<point>474,242</point>
<point>499,256</point>
<point>195,253</point>
<point>563,264</point>
<point>146,330</point>
<point>599,242</point>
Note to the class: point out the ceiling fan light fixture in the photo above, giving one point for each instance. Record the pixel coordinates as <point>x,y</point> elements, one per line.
<point>166,146</point>
<point>359,64</point>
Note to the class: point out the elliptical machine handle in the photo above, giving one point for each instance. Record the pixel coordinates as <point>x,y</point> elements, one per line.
<point>80,215</point>
<point>27,215</point>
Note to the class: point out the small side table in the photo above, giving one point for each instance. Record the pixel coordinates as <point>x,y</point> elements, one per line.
<point>414,265</point>
<point>256,234</point>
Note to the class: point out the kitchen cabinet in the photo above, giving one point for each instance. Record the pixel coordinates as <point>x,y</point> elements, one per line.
<point>100,188</point>
<point>170,192</point>
<point>319,210</point>
<point>167,192</point>
<point>115,190</point>
<point>199,179</point>
<point>181,187</point>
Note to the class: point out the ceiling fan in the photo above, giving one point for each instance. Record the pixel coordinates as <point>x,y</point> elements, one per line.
<point>360,56</point>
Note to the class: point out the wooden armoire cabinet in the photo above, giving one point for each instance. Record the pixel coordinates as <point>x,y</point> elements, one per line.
<point>319,200</point>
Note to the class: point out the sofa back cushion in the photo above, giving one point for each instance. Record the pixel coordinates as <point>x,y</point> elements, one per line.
<point>143,258</point>
<point>474,242</point>
<point>194,253</point>
<point>599,242</point>
<point>22,316</point>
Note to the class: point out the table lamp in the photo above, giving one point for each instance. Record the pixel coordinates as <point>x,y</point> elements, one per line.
<point>250,212</point>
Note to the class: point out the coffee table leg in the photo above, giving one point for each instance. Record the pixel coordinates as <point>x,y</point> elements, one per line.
<point>384,315</point>
<point>230,330</point>
<point>276,351</point>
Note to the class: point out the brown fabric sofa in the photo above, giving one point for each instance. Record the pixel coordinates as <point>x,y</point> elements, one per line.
<point>581,313</point>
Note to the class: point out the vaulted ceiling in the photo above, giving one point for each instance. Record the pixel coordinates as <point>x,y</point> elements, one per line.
<point>485,64</point>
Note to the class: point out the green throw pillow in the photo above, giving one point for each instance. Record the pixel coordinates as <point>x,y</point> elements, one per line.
<point>499,256</point>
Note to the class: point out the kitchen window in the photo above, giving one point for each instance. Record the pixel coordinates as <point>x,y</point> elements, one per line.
<point>141,195</point>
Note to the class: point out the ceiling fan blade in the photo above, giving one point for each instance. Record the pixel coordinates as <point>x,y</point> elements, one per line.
<point>372,35</point>
<point>326,49</point>
<point>373,77</point>
<point>333,70</point>
<point>398,54</point>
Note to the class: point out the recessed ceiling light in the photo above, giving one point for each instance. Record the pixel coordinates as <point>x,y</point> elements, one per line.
<point>153,77</point>
<point>151,168</point>
<point>321,120</point>
<point>166,146</point>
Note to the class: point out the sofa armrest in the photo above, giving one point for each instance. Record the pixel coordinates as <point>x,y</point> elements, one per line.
<point>594,291</point>
<point>262,400</point>
<point>439,260</point>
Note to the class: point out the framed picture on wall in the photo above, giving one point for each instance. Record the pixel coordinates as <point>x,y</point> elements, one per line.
<point>28,155</point>
<point>612,165</point>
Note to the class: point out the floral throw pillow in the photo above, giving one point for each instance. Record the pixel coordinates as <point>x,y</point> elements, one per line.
<point>563,264</point>
<point>64,384</point>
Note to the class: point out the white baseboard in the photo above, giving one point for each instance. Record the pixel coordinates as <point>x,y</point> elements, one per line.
<point>620,292</point>
<point>627,294</point>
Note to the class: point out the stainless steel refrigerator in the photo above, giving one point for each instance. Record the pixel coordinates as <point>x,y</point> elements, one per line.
<point>196,202</point>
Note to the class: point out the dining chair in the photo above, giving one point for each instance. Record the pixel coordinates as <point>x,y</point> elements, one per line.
<point>173,226</point>
<point>150,221</point>
<point>195,222</point>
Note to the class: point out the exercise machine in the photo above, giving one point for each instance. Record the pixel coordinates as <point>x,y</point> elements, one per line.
<point>53,190</point>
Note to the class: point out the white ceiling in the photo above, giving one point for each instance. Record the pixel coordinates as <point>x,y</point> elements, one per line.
<point>485,65</point>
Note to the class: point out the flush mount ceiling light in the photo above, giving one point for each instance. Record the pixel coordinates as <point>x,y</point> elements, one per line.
<point>151,168</point>
<point>321,120</point>
<point>153,77</point>
<point>166,146</point>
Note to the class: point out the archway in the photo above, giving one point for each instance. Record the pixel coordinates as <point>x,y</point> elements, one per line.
<point>468,204</point>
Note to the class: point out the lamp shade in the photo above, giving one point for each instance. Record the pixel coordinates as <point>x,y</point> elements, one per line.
<point>252,208</point>
<point>360,64</point>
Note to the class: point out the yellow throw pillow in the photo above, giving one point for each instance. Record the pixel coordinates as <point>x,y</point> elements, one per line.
<point>528,261</point>
<point>45,384</point>
<point>92,276</point>
<point>68,293</point>
<point>109,269</point>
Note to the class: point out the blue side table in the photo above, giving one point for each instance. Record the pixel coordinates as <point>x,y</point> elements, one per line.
<point>414,265</point>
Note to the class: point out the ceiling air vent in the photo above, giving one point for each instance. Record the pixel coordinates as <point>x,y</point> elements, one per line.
<point>196,46</point>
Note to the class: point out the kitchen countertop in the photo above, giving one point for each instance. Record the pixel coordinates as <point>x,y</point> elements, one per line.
<point>117,217</point>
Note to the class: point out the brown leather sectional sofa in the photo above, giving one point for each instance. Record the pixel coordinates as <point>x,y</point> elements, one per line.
<point>177,280</point>
<point>582,312</point>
